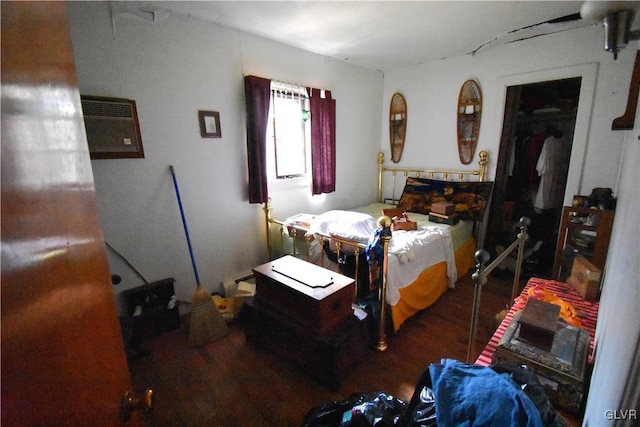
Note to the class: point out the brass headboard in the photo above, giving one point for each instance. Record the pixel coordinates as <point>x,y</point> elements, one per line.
<point>443,174</point>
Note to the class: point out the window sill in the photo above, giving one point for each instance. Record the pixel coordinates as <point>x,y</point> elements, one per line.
<point>288,184</point>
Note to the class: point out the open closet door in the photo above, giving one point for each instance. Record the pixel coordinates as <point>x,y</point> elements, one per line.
<point>497,215</point>
<point>532,168</point>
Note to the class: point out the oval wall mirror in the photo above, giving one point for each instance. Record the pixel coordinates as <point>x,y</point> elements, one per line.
<point>397,126</point>
<point>469,113</point>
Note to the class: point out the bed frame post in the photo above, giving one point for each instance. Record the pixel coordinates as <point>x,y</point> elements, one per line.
<point>385,223</point>
<point>479,279</point>
<point>356,285</point>
<point>268,220</point>
<point>484,156</point>
<point>522,238</point>
<point>380,169</point>
<point>482,271</point>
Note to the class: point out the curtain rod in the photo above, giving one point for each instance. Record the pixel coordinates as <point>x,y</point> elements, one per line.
<point>289,87</point>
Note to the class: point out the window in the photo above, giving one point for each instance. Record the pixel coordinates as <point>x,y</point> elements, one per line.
<point>320,152</point>
<point>288,132</point>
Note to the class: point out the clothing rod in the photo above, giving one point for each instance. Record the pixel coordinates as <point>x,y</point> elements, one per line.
<point>546,118</point>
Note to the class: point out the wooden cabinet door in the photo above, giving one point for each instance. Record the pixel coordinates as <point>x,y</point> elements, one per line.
<point>63,360</point>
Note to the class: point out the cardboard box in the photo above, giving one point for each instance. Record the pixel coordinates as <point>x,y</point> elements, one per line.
<point>391,213</point>
<point>538,323</point>
<point>585,278</point>
<point>443,208</point>
<point>235,295</point>
<point>225,306</point>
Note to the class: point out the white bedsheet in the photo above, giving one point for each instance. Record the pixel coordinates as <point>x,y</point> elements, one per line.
<point>460,232</point>
<point>410,252</point>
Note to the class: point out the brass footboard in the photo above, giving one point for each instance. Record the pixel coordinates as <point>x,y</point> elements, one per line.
<point>480,276</point>
<point>340,244</point>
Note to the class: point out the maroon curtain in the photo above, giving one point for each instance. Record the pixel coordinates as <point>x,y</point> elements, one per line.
<point>257,92</point>
<point>323,142</point>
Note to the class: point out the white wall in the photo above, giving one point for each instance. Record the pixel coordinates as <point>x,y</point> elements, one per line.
<point>618,329</point>
<point>172,69</point>
<point>432,92</point>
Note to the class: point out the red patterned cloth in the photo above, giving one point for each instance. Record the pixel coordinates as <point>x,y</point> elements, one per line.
<point>588,312</point>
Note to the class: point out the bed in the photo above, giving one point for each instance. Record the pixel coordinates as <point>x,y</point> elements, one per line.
<point>418,265</point>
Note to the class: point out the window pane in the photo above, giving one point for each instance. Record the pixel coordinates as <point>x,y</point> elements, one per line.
<point>290,154</point>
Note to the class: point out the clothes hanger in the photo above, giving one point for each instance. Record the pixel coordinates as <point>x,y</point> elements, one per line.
<point>552,130</point>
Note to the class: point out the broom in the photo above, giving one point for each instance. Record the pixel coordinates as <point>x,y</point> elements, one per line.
<point>206,323</point>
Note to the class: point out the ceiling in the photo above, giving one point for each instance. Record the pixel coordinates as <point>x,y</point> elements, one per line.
<point>379,34</point>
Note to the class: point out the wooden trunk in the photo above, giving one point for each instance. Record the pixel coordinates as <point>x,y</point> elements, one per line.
<point>313,297</point>
<point>328,358</point>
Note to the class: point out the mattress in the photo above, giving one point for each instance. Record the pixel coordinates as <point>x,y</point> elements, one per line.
<point>460,232</point>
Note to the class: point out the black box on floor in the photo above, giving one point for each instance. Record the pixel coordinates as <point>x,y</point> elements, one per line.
<point>152,308</point>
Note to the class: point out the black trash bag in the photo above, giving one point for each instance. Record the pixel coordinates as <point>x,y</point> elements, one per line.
<point>424,414</point>
<point>421,410</point>
<point>602,198</point>
<point>377,409</point>
<point>530,384</point>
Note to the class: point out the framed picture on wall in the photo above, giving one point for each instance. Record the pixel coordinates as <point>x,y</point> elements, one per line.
<point>209,124</point>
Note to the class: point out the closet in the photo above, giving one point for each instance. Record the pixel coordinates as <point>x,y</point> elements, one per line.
<point>532,168</point>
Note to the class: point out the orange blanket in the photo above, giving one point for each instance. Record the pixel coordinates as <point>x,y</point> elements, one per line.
<point>430,285</point>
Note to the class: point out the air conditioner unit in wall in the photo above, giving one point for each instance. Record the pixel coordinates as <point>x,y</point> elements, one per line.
<point>112,127</point>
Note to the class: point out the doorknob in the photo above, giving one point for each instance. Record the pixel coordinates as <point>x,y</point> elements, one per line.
<point>135,402</point>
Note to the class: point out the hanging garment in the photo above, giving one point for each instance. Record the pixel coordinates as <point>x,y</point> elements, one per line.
<point>552,166</point>
<point>534,148</point>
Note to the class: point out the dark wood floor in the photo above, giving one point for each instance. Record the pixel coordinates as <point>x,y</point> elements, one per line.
<point>230,383</point>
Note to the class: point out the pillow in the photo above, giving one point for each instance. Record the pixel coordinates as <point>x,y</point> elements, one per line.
<point>347,224</point>
<point>469,198</point>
